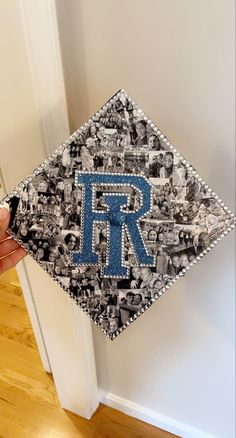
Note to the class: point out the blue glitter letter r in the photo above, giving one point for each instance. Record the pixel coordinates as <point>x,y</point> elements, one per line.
<point>116,219</point>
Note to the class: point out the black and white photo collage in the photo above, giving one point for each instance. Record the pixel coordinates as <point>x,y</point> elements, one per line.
<point>184,220</point>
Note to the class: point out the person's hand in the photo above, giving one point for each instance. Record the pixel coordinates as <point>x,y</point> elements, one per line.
<point>134,284</point>
<point>10,251</point>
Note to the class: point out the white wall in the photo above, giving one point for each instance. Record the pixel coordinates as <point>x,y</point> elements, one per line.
<point>177,60</point>
<point>21,145</point>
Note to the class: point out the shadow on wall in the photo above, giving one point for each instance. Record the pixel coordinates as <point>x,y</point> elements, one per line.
<point>77,97</point>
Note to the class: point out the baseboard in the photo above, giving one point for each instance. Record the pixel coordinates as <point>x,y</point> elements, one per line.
<point>152,417</point>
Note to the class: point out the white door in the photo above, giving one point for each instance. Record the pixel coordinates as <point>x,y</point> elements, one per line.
<point>34,123</point>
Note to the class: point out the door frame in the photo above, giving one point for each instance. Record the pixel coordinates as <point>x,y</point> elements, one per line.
<point>74,374</point>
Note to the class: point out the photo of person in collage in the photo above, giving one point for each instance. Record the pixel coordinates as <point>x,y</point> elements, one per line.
<point>184,220</point>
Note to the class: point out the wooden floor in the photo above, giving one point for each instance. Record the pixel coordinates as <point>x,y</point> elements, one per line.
<point>29,407</point>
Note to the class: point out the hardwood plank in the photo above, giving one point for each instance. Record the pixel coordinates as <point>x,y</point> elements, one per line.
<point>23,335</point>
<point>29,407</point>
<point>10,276</point>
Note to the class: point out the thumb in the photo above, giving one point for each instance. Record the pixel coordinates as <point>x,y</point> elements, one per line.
<point>4,222</point>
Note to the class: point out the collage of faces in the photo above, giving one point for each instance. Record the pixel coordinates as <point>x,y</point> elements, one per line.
<point>183,221</point>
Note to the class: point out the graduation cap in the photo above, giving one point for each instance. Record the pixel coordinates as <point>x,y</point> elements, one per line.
<point>78,182</point>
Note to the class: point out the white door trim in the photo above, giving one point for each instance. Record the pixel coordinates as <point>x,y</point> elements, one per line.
<point>42,43</point>
<point>29,299</point>
<point>30,304</point>
<point>67,328</point>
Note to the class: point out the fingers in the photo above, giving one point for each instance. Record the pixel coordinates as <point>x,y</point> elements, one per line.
<point>4,222</point>
<point>10,251</point>
<point>7,246</point>
<point>12,259</point>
